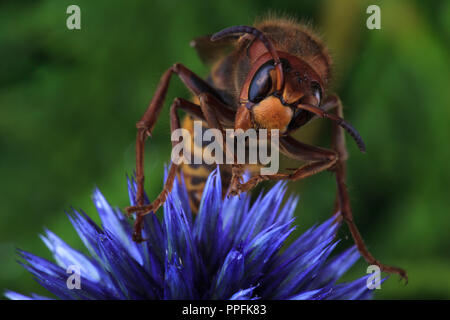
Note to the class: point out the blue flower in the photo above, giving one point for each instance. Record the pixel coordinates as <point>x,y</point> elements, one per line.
<point>231,250</point>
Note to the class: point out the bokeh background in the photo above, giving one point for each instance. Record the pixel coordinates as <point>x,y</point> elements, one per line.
<point>69,101</point>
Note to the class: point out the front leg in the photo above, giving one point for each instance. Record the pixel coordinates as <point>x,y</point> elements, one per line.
<point>318,160</point>
<point>145,126</point>
<point>243,122</point>
<point>237,172</point>
<point>141,209</point>
<point>198,87</point>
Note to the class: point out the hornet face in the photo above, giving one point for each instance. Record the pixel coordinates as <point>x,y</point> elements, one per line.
<point>275,106</point>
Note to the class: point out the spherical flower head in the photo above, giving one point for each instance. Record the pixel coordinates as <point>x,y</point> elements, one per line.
<point>231,250</point>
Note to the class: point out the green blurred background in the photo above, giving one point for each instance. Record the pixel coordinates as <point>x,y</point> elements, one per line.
<point>69,101</point>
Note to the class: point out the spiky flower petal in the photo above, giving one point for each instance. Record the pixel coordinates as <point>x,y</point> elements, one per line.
<point>231,250</point>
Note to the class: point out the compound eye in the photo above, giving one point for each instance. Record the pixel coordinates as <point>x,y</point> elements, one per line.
<point>317,91</point>
<point>261,84</point>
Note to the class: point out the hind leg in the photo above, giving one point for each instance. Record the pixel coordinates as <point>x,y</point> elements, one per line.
<point>343,199</point>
